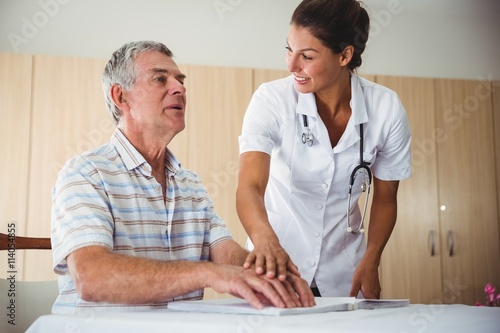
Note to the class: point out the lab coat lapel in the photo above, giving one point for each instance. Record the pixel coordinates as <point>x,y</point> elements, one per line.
<point>307,106</point>
<point>359,115</point>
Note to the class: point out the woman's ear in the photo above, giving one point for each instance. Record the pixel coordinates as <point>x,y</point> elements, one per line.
<point>346,55</point>
<point>118,95</point>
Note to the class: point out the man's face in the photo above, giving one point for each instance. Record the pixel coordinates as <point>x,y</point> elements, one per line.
<point>157,101</point>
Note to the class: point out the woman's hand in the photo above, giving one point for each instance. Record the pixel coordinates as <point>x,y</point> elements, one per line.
<point>269,258</point>
<point>366,280</point>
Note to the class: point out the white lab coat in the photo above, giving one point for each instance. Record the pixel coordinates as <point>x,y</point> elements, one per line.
<point>306,196</point>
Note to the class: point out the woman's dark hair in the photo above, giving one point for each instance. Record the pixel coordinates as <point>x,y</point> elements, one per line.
<point>337,23</point>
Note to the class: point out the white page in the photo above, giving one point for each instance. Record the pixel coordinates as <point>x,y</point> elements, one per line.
<point>241,306</point>
<point>380,303</point>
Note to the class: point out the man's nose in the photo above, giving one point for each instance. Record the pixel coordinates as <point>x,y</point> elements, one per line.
<point>177,88</point>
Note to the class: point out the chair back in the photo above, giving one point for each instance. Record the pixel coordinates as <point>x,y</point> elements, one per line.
<point>24,243</point>
<point>24,301</point>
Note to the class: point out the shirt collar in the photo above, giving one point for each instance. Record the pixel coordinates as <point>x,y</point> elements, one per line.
<point>133,159</point>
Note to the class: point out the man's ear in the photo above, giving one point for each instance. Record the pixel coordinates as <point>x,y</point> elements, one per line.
<point>118,95</point>
<point>346,55</point>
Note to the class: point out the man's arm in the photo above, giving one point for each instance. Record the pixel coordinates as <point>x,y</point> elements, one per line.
<point>103,276</point>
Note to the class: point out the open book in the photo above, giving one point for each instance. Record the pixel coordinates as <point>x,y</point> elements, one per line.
<point>323,304</point>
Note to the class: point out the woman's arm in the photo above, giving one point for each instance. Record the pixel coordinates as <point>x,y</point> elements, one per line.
<point>268,255</point>
<point>383,216</point>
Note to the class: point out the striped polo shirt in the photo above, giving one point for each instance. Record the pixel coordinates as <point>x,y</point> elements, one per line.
<point>109,197</point>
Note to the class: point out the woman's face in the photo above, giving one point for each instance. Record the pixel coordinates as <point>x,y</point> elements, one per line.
<point>315,67</point>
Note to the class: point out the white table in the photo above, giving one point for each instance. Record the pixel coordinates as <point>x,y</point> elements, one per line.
<point>415,318</point>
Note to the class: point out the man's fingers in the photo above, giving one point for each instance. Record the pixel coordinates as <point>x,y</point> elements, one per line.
<point>292,268</point>
<point>243,290</point>
<point>306,296</point>
<point>291,291</point>
<point>267,290</point>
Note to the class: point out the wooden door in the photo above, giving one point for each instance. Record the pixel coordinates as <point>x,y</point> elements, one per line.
<point>496,127</point>
<point>411,265</point>
<point>467,191</point>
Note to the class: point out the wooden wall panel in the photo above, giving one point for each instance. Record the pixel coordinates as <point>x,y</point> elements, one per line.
<point>69,117</point>
<point>217,100</point>
<point>466,173</point>
<point>265,75</point>
<point>408,270</point>
<point>15,92</point>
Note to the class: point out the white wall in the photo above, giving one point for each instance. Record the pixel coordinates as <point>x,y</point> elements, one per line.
<point>429,38</point>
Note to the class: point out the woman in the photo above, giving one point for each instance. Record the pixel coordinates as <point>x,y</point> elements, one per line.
<point>301,140</point>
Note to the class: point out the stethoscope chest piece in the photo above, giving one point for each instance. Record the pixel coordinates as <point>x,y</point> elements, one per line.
<point>307,136</point>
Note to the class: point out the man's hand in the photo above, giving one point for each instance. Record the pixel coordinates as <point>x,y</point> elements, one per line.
<point>260,290</point>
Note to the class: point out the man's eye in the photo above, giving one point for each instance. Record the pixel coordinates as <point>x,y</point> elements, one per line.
<point>161,79</point>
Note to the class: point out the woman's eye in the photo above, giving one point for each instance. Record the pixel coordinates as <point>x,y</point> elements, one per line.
<point>306,57</point>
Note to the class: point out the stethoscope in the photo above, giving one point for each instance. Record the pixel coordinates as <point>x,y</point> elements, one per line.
<point>308,138</point>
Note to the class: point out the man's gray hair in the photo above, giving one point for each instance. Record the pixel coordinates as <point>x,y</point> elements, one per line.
<point>120,70</point>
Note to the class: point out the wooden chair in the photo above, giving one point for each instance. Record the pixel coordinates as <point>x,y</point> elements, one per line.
<point>25,243</point>
<point>32,299</point>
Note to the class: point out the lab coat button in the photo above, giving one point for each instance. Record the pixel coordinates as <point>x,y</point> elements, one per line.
<point>311,263</point>
<point>317,234</point>
<point>325,186</point>
<point>319,206</point>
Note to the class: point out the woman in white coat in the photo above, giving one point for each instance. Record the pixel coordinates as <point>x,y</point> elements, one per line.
<point>302,138</point>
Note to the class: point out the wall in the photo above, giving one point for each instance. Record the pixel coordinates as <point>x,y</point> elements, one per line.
<point>424,38</point>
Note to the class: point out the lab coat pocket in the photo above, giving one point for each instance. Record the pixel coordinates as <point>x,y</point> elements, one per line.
<point>354,247</point>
